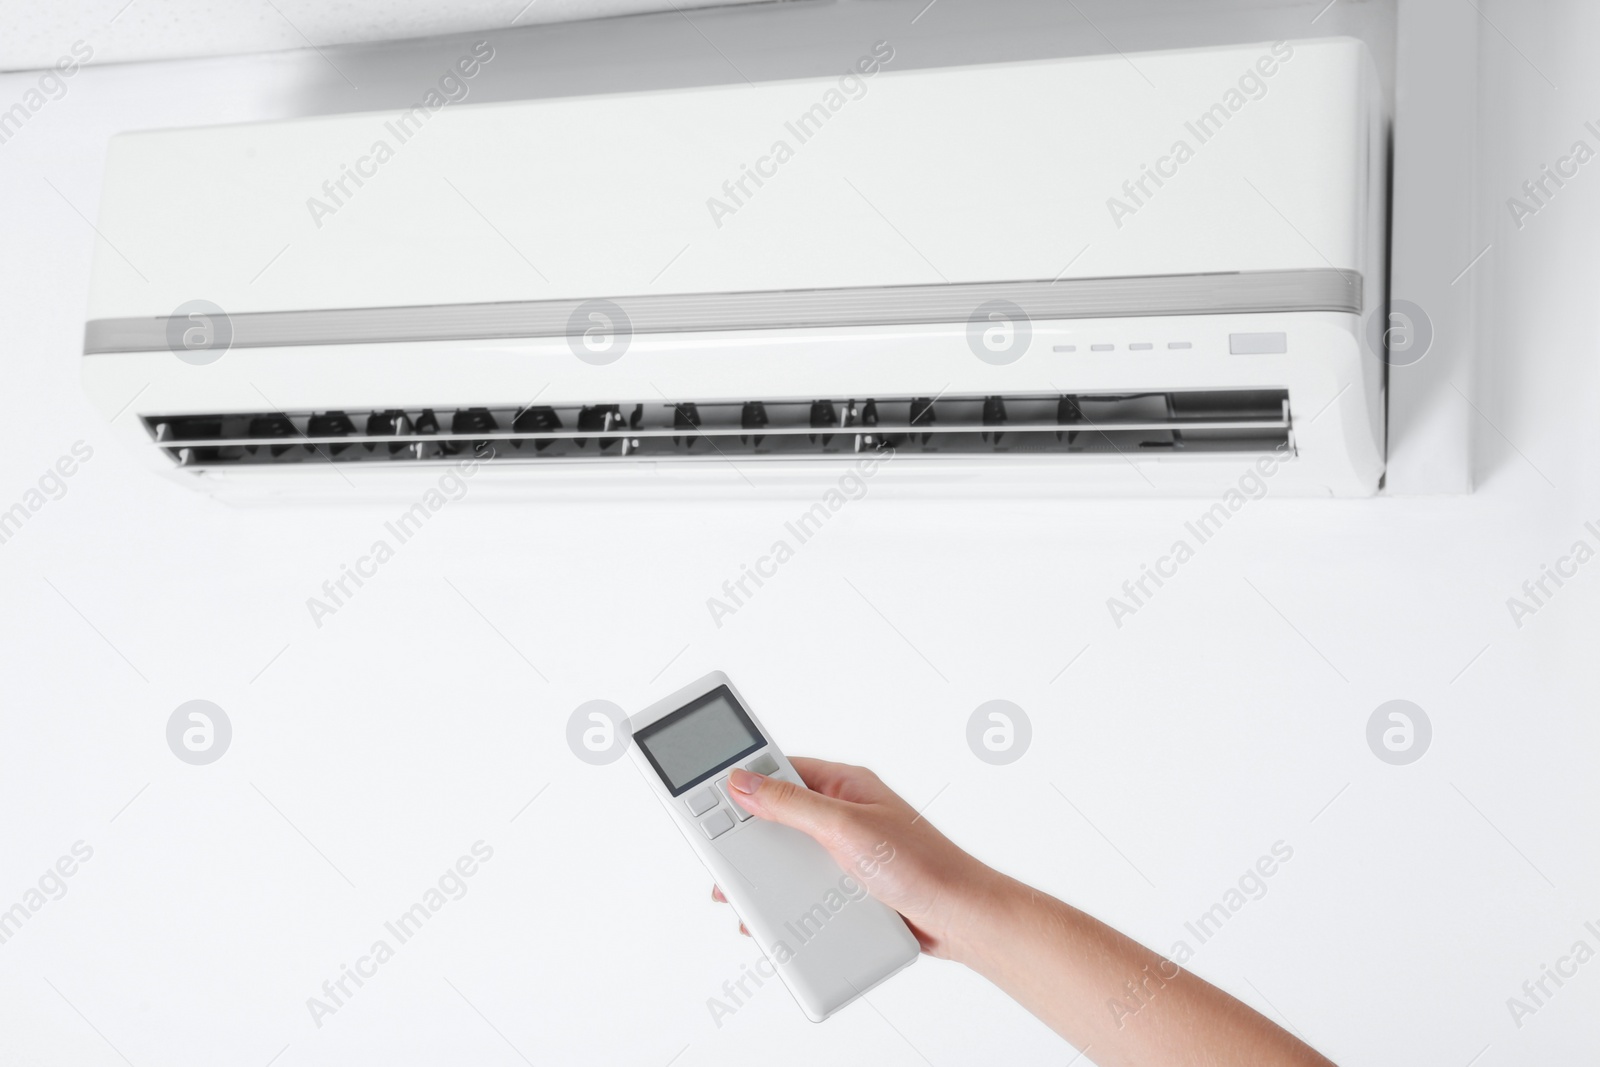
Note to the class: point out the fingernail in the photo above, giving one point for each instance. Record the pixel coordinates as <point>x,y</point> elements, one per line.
<point>745,782</point>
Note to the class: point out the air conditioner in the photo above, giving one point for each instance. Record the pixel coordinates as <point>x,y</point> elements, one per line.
<point>1144,274</point>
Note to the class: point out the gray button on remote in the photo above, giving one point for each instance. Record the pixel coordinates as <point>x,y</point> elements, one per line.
<point>701,801</point>
<point>763,764</point>
<point>727,791</point>
<point>717,823</point>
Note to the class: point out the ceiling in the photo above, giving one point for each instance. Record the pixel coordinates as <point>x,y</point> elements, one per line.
<point>35,35</point>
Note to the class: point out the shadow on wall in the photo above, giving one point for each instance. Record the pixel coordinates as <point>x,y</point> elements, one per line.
<point>808,38</point>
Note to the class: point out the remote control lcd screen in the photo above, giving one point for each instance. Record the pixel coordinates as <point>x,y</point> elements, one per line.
<point>697,741</point>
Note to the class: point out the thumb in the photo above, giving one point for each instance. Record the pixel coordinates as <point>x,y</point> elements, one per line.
<point>784,802</point>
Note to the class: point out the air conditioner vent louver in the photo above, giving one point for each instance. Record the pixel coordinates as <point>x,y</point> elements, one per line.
<point>1200,421</point>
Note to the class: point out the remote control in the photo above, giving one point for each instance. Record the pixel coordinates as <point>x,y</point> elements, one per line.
<point>825,937</point>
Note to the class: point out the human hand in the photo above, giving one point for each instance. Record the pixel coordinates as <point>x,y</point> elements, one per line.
<point>1061,964</point>
<point>877,837</point>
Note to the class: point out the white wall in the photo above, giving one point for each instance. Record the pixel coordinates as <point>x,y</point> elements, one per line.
<point>126,31</point>
<point>373,751</point>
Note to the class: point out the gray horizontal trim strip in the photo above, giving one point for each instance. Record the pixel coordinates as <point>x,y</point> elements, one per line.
<point>1246,292</point>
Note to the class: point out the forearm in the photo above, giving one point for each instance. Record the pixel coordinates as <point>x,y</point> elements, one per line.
<point>1105,993</point>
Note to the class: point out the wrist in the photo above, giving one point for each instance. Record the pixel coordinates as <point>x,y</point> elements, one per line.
<point>981,898</point>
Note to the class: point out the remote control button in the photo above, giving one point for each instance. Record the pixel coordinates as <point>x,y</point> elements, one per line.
<point>763,764</point>
<point>701,801</point>
<point>717,823</point>
<point>732,803</point>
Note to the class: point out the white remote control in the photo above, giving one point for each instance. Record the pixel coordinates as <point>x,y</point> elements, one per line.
<point>828,940</point>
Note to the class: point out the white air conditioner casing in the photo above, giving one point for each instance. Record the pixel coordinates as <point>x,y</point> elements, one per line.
<point>447,260</point>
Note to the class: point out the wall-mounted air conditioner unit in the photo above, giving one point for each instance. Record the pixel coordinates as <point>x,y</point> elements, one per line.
<point>1139,274</point>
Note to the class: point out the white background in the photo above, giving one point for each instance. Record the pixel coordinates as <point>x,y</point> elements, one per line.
<point>370,753</point>
<point>140,29</point>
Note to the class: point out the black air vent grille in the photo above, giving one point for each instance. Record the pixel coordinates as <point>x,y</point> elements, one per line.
<point>1189,421</point>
